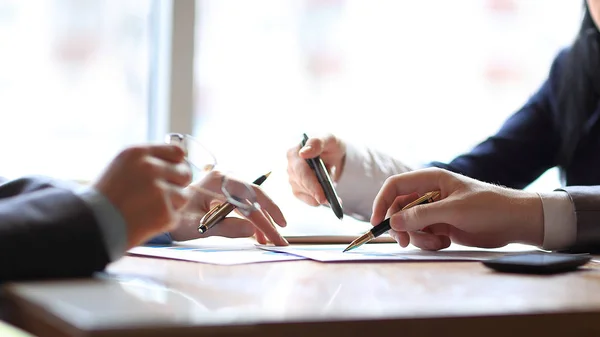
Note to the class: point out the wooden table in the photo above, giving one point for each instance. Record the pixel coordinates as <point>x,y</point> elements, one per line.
<point>159,297</point>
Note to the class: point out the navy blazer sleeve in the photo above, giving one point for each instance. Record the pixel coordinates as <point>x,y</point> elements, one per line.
<point>47,231</point>
<point>586,201</point>
<point>524,147</point>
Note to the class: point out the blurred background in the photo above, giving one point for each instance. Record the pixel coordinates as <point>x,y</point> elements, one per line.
<point>420,80</point>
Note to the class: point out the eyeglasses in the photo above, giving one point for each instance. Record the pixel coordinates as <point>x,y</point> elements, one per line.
<point>198,157</point>
<point>206,179</point>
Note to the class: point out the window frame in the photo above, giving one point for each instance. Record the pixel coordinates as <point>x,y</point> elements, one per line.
<point>171,79</point>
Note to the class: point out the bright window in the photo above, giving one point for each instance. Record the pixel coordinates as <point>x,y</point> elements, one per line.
<point>421,80</point>
<point>73,84</point>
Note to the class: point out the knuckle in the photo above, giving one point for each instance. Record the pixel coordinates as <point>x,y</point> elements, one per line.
<point>316,142</point>
<point>439,175</point>
<point>214,175</point>
<point>147,167</point>
<point>388,181</point>
<point>297,193</point>
<point>157,190</point>
<point>414,214</point>
<point>186,175</point>
<point>178,151</point>
<point>131,152</point>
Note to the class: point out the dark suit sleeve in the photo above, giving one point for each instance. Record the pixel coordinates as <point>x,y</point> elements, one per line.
<point>47,231</point>
<point>524,147</point>
<point>586,201</point>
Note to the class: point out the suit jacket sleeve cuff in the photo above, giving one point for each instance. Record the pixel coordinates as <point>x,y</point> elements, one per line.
<point>111,222</point>
<point>586,201</point>
<point>560,223</point>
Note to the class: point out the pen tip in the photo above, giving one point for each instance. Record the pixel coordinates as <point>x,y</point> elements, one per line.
<point>267,174</point>
<point>361,240</point>
<point>350,247</point>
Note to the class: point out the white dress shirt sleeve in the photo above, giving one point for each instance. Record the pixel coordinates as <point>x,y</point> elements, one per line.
<point>560,221</point>
<point>365,171</point>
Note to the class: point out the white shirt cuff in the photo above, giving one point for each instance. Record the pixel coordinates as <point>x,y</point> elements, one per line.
<point>365,171</point>
<point>560,221</point>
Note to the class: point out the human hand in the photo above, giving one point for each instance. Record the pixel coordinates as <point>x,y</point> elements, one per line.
<point>146,184</point>
<point>469,212</point>
<point>258,223</point>
<point>302,178</point>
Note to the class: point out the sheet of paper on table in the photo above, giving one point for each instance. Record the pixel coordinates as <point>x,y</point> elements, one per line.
<point>328,231</point>
<point>215,251</point>
<point>393,252</point>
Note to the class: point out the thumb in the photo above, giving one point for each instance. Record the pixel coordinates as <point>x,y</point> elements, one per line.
<point>418,217</point>
<point>419,181</point>
<point>312,148</point>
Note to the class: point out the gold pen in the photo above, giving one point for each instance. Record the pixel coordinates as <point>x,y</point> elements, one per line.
<point>219,212</point>
<point>384,226</point>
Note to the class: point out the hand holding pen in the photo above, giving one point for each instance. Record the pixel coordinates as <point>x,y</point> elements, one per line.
<point>384,226</point>
<point>261,214</point>
<point>220,211</point>
<point>313,168</point>
<point>468,212</point>
<point>260,220</point>
<point>199,219</point>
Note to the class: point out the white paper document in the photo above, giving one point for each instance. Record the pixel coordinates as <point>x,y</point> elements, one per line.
<point>392,252</point>
<point>224,255</point>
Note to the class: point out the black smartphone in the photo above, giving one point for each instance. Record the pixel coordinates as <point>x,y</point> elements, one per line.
<point>537,263</point>
<point>317,165</point>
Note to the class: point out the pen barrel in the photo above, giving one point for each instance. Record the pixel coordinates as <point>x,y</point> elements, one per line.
<point>260,180</point>
<point>211,219</point>
<point>317,165</point>
<point>381,228</point>
<point>328,189</point>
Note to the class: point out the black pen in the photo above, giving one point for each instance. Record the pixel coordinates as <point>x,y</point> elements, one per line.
<point>384,226</point>
<point>317,165</point>
<point>219,212</point>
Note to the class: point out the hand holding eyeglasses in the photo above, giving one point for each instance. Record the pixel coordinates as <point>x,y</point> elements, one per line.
<point>145,184</point>
<point>210,187</point>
